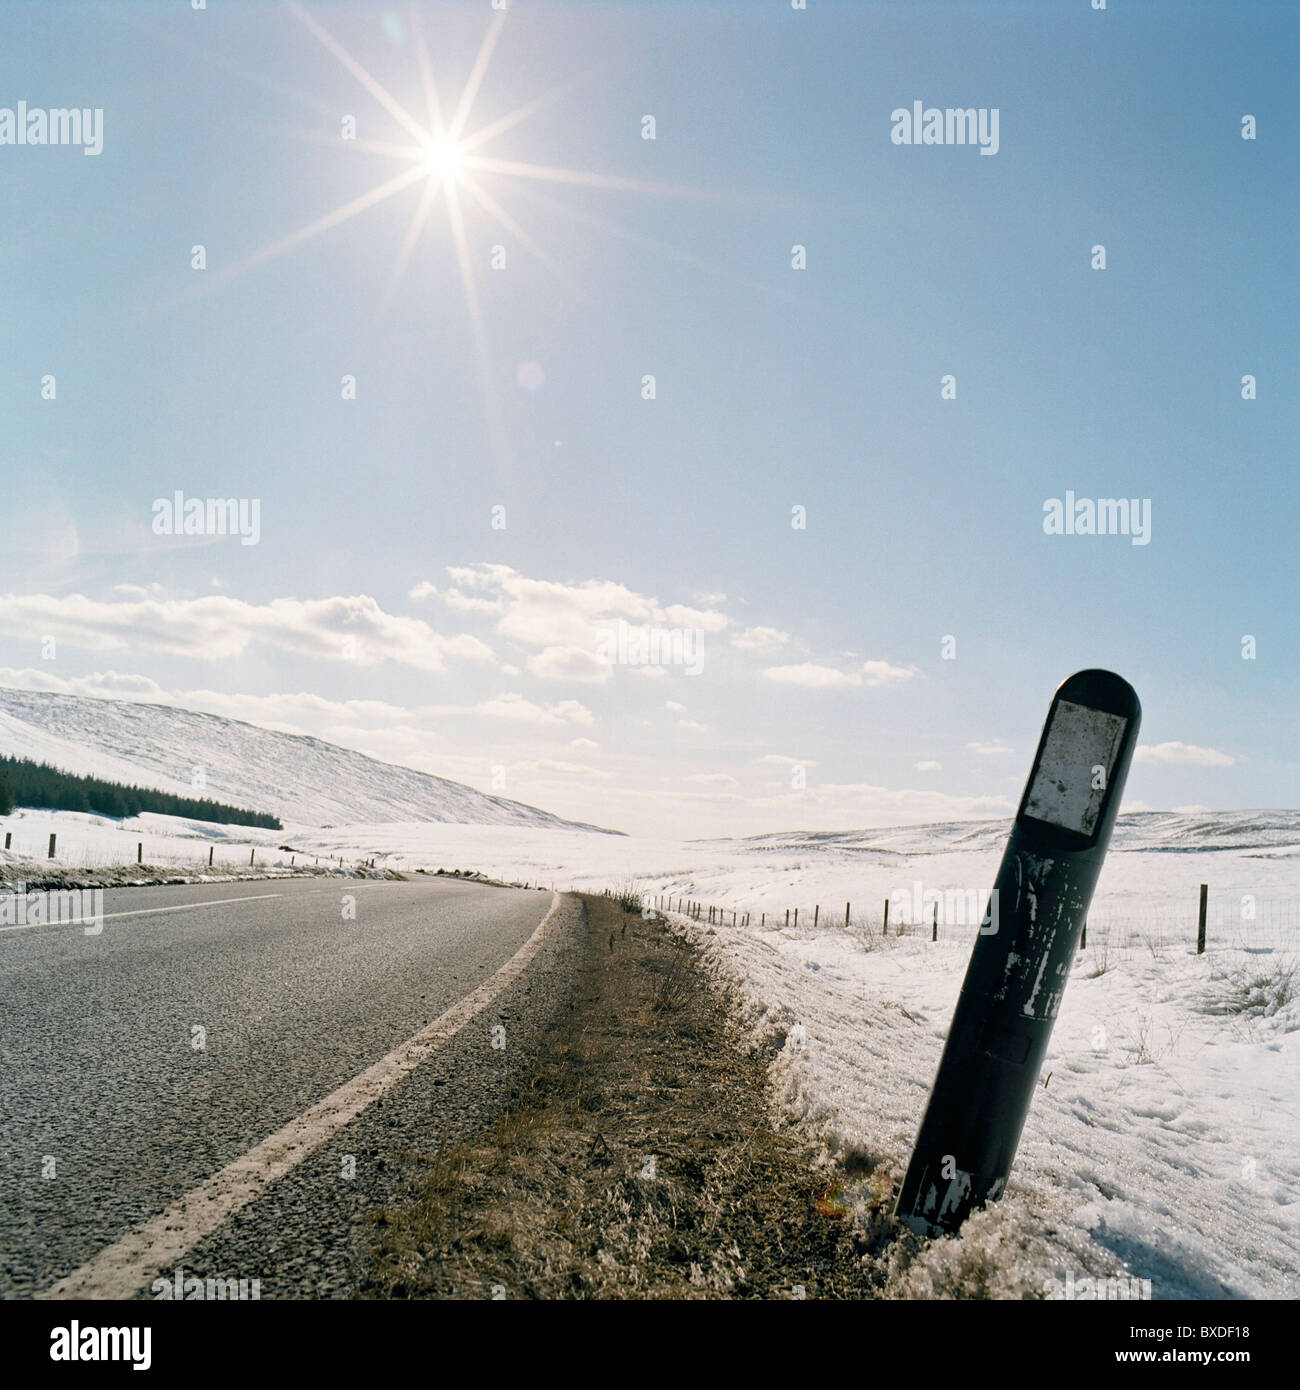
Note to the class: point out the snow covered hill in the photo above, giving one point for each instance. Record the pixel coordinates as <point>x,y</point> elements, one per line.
<point>304,781</point>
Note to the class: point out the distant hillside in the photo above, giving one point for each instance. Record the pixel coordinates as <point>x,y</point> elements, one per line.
<point>302,780</point>
<point>1270,833</point>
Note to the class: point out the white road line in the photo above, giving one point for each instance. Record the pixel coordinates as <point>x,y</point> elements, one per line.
<point>185,907</point>
<point>121,1270</point>
<point>141,912</point>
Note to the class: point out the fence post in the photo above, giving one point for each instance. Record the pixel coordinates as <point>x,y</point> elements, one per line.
<point>1200,929</point>
<point>1083,938</point>
<point>787,916</point>
<point>210,849</point>
<point>8,838</point>
<point>139,852</point>
<point>763,923</point>
<point>884,931</point>
<point>817,912</point>
<point>796,919</point>
<point>51,844</point>
<point>934,926</point>
<point>846,916</point>
<point>252,853</point>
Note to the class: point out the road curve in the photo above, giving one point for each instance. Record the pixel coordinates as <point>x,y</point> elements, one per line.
<point>137,1063</point>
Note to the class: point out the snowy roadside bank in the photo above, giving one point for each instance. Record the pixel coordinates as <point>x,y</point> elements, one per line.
<point>1160,1146</point>
<point>36,876</point>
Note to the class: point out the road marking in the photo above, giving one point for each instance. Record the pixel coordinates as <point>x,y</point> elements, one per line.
<point>140,912</point>
<point>121,1270</point>
<point>185,907</point>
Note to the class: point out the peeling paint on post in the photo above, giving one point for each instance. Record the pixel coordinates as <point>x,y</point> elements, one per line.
<point>1023,954</point>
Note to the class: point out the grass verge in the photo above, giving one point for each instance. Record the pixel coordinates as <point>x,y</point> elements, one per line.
<point>636,1160</point>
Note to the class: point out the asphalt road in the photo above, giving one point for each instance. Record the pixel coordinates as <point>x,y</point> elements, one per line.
<point>137,1063</point>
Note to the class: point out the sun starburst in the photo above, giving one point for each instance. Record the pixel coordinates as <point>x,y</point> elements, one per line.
<point>446,161</point>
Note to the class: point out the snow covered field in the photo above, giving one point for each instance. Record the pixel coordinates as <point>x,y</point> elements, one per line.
<point>1163,1144</point>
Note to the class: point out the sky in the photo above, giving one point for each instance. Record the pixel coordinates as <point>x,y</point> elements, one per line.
<point>505,378</point>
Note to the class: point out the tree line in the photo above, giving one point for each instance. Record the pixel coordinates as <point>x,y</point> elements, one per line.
<point>27,783</point>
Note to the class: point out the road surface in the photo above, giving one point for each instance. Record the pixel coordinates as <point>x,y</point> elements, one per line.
<point>137,1064</point>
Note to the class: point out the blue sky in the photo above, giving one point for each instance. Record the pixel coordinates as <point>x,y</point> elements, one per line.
<point>775,388</point>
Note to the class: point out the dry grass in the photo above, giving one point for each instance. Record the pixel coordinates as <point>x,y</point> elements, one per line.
<point>637,1161</point>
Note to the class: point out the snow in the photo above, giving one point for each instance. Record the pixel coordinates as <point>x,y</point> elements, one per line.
<point>1161,1144</point>
<point>287,775</point>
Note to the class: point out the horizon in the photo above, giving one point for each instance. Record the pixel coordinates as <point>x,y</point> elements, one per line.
<point>769,833</point>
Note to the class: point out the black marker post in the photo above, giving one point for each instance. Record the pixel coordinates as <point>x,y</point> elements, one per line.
<point>1022,957</point>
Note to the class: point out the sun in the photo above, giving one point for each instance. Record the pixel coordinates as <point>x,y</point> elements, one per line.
<point>444,159</point>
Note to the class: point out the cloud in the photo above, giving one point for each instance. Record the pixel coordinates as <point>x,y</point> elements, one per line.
<point>108,684</point>
<point>713,779</point>
<point>563,768</point>
<point>548,614</point>
<point>780,760</point>
<point>693,725</point>
<point>811,677</point>
<point>992,748</point>
<point>567,663</point>
<point>519,710</point>
<point>928,765</point>
<point>881,672</point>
<point>1183,755</point>
<point>422,590</point>
<point>466,603</point>
<point>675,707</point>
<point>760,639</point>
<point>220,629</point>
<point>302,711</point>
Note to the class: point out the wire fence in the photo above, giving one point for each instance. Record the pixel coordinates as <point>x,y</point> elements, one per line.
<point>1234,921</point>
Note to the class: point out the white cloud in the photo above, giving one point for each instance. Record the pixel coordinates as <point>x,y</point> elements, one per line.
<point>811,677</point>
<point>545,613</point>
<point>780,760</point>
<point>302,711</point>
<point>563,768</point>
<point>1183,755</point>
<point>108,684</point>
<point>466,603</point>
<point>881,672</point>
<point>693,725</point>
<point>217,628</point>
<point>516,708</point>
<point>928,765</point>
<point>713,779</point>
<point>570,664</point>
<point>992,748</point>
<point>675,707</point>
<point>760,639</point>
<point>422,590</point>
